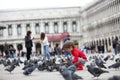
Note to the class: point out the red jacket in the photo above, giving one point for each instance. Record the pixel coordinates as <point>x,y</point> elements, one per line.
<point>77,53</point>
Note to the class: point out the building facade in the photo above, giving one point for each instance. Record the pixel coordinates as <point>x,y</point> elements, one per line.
<point>101,22</point>
<point>56,23</point>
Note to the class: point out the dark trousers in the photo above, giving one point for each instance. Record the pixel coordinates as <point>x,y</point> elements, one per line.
<point>29,52</point>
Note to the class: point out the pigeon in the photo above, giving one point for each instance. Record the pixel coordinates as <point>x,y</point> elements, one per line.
<point>15,62</point>
<point>73,67</point>
<point>100,65</point>
<point>106,58</point>
<point>61,68</point>
<point>117,60</point>
<point>76,77</point>
<point>92,63</point>
<point>96,72</point>
<point>115,65</point>
<point>10,68</point>
<point>5,63</point>
<point>68,62</point>
<point>41,67</point>
<point>69,73</point>
<point>112,57</point>
<point>114,78</point>
<point>26,62</point>
<point>8,62</point>
<point>29,70</point>
<point>28,65</point>
<point>50,68</point>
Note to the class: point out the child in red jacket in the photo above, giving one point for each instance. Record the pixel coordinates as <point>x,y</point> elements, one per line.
<point>77,54</point>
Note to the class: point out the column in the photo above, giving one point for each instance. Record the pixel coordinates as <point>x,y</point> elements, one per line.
<point>119,7</point>
<point>15,46</point>
<point>42,29</point>
<point>33,48</point>
<point>119,22</point>
<point>69,26</point>
<point>23,29</point>
<point>60,26</point>
<point>78,25</point>
<point>5,33</point>
<point>32,25</point>
<point>14,30</point>
<point>51,27</point>
<point>52,45</point>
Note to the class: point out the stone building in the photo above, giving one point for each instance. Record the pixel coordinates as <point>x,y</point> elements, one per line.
<point>57,23</point>
<point>101,22</point>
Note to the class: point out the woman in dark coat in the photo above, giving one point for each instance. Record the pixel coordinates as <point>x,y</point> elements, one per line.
<point>28,44</point>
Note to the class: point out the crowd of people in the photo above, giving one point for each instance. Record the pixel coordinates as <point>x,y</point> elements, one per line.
<point>114,47</point>
<point>69,48</point>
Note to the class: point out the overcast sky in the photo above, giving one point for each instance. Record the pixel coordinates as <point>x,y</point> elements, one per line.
<point>32,4</point>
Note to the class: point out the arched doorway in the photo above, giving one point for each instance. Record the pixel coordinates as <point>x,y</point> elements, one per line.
<point>103,41</point>
<point>109,41</point>
<point>1,49</point>
<point>94,43</point>
<point>112,38</point>
<point>38,48</point>
<point>116,38</point>
<point>106,44</point>
<point>99,42</point>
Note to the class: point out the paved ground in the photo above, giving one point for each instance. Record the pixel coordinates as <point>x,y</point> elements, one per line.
<point>44,75</point>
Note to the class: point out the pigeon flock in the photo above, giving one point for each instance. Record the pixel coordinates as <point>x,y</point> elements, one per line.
<point>96,65</point>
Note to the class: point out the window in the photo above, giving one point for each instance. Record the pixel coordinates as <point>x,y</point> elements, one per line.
<point>1,32</point>
<point>37,28</point>
<point>55,27</point>
<point>19,30</point>
<point>27,27</point>
<point>74,26</point>
<point>46,28</point>
<point>65,27</point>
<point>9,30</point>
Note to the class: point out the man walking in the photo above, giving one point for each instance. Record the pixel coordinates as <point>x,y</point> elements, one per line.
<point>115,43</point>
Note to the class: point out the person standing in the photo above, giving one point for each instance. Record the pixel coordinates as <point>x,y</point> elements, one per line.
<point>51,50</point>
<point>58,50</point>
<point>28,44</point>
<point>67,38</point>
<point>6,49</point>
<point>103,49</point>
<point>12,52</point>
<point>115,43</point>
<point>45,45</point>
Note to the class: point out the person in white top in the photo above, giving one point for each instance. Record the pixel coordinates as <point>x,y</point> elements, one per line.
<point>45,46</point>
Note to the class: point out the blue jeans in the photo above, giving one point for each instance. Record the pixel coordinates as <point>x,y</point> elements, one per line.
<point>116,51</point>
<point>66,53</point>
<point>12,55</point>
<point>46,52</point>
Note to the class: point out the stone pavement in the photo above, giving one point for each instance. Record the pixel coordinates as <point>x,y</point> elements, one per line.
<point>17,74</point>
